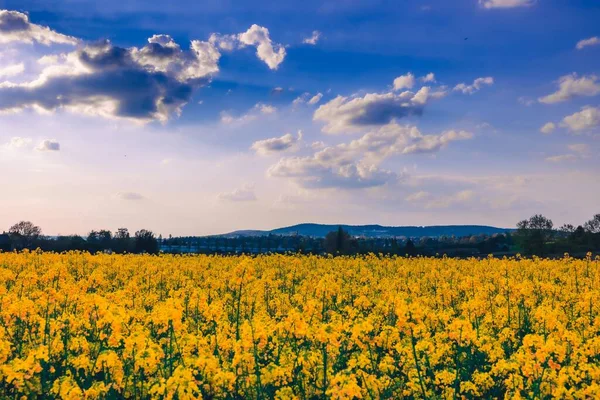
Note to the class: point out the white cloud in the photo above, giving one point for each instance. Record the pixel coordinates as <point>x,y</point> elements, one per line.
<point>245,193</point>
<point>276,145</point>
<point>18,143</point>
<point>228,119</point>
<point>356,113</point>
<point>11,70</point>
<point>315,173</point>
<point>129,196</point>
<point>313,39</point>
<point>578,151</point>
<point>506,3</point>
<point>48,145</point>
<point>16,27</point>
<point>265,108</point>
<point>417,196</point>
<point>476,86</point>
<point>355,164</point>
<point>404,82</point>
<point>571,86</point>
<point>548,128</point>
<point>526,101</point>
<point>224,42</point>
<point>317,145</point>
<point>430,77</point>
<point>272,54</point>
<point>315,99</point>
<point>303,98</point>
<point>582,149</point>
<point>252,114</point>
<point>432,143</point>
<point>562,157</point>
<point>593,41</point>
<point>587,118</point>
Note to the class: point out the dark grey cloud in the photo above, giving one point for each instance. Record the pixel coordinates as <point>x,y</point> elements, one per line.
<point>16,27</point>
<point>48,145</point>
<point>276,145</point>
<point>351,114</point>
<point>108,80</point>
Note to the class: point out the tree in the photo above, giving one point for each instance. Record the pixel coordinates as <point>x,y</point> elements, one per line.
<point>4,242</point>
<point>410,248</point>
<point>338,242</point>
<point>534,233</point>
<point>121,240</point>
<point>593,225</point>
<point>24,234</point>
<point>566,229</point>
<point>99,240</point>
<point>145,242</point>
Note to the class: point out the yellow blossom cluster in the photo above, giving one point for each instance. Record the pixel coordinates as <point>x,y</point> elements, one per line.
<point>82,326</point>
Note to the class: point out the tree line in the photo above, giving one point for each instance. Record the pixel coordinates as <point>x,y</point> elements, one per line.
<point>534,236</point>
<point>26,235</point>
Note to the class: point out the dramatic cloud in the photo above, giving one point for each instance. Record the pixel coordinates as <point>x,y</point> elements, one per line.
<point>272,54</point>
<point>245,193</point>
<point>16,27</point>
<point>587,118</point>
<point>102,79</point>
<point>506,3</point>
<point>593,41</point>
<point>475,87</point>
<point>548,128</point>
<point>355,164</point>
<point>141,84</point>
<point>313,39</point>
<point>315,99</point>
<point>571,86</point>
<point>404,82</point>
<point>48,145</point>
<point>350,114</point>
<point>129,196</point>
<point>12,70</point>
<point>276,145</point>
<point>162,54</point>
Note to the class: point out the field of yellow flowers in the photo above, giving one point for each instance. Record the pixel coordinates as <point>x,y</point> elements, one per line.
<point>297,327</point>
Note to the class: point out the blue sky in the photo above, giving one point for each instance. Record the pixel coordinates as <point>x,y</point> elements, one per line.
<point>239,115</point>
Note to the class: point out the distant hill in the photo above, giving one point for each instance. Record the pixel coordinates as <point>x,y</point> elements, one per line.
<point>320,230</point>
